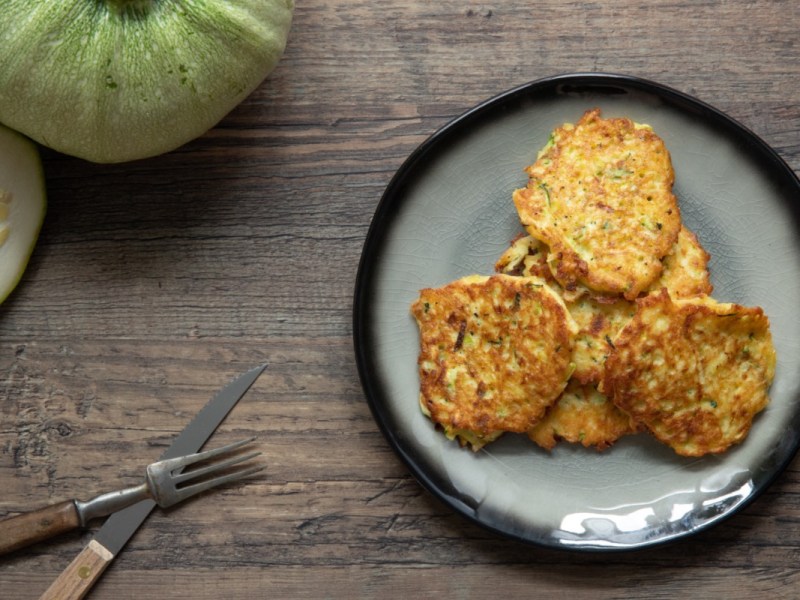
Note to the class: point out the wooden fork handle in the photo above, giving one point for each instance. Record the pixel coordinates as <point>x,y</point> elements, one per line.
<point>29,528</point>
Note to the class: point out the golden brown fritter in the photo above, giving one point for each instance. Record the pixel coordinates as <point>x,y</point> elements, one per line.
<point>600,196</point>
<point>685,268</point>
<point>495,353</point>
<point>598,322</point>
<point>692,371</point>
<point>582,415</point>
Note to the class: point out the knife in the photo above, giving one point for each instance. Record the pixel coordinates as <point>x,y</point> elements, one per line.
<point>78,578</point>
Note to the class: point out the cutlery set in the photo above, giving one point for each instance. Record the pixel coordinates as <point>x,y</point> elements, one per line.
<point>180,473</point>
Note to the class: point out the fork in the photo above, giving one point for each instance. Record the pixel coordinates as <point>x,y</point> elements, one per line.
<point>166,483</point>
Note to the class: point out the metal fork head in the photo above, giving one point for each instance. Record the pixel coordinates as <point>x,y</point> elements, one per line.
<point>165,478</point>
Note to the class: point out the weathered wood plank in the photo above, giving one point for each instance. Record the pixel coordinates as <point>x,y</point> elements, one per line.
<point>380,581</point>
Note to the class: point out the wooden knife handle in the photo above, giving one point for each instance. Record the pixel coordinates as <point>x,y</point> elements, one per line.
<point>79,577</point>
<point>32,527</point>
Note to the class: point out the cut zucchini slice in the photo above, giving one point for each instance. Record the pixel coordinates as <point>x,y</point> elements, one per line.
<point>23,203</point>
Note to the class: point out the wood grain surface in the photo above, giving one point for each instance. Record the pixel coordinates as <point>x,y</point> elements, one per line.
<point>155,282</point>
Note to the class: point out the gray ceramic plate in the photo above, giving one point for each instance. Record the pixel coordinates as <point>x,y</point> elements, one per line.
<point>448,213</point>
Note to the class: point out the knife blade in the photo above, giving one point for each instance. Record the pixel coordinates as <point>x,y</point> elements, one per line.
<point>88,566</point>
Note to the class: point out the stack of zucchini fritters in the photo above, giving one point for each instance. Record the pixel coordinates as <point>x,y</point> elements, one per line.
<point>599,322</point>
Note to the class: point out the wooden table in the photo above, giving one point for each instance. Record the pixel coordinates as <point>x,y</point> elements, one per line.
<point>155,282</point>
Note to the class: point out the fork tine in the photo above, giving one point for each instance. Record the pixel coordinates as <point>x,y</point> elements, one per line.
<point>189,459</point>
<point>213,468</point>
<point>191,490</point>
